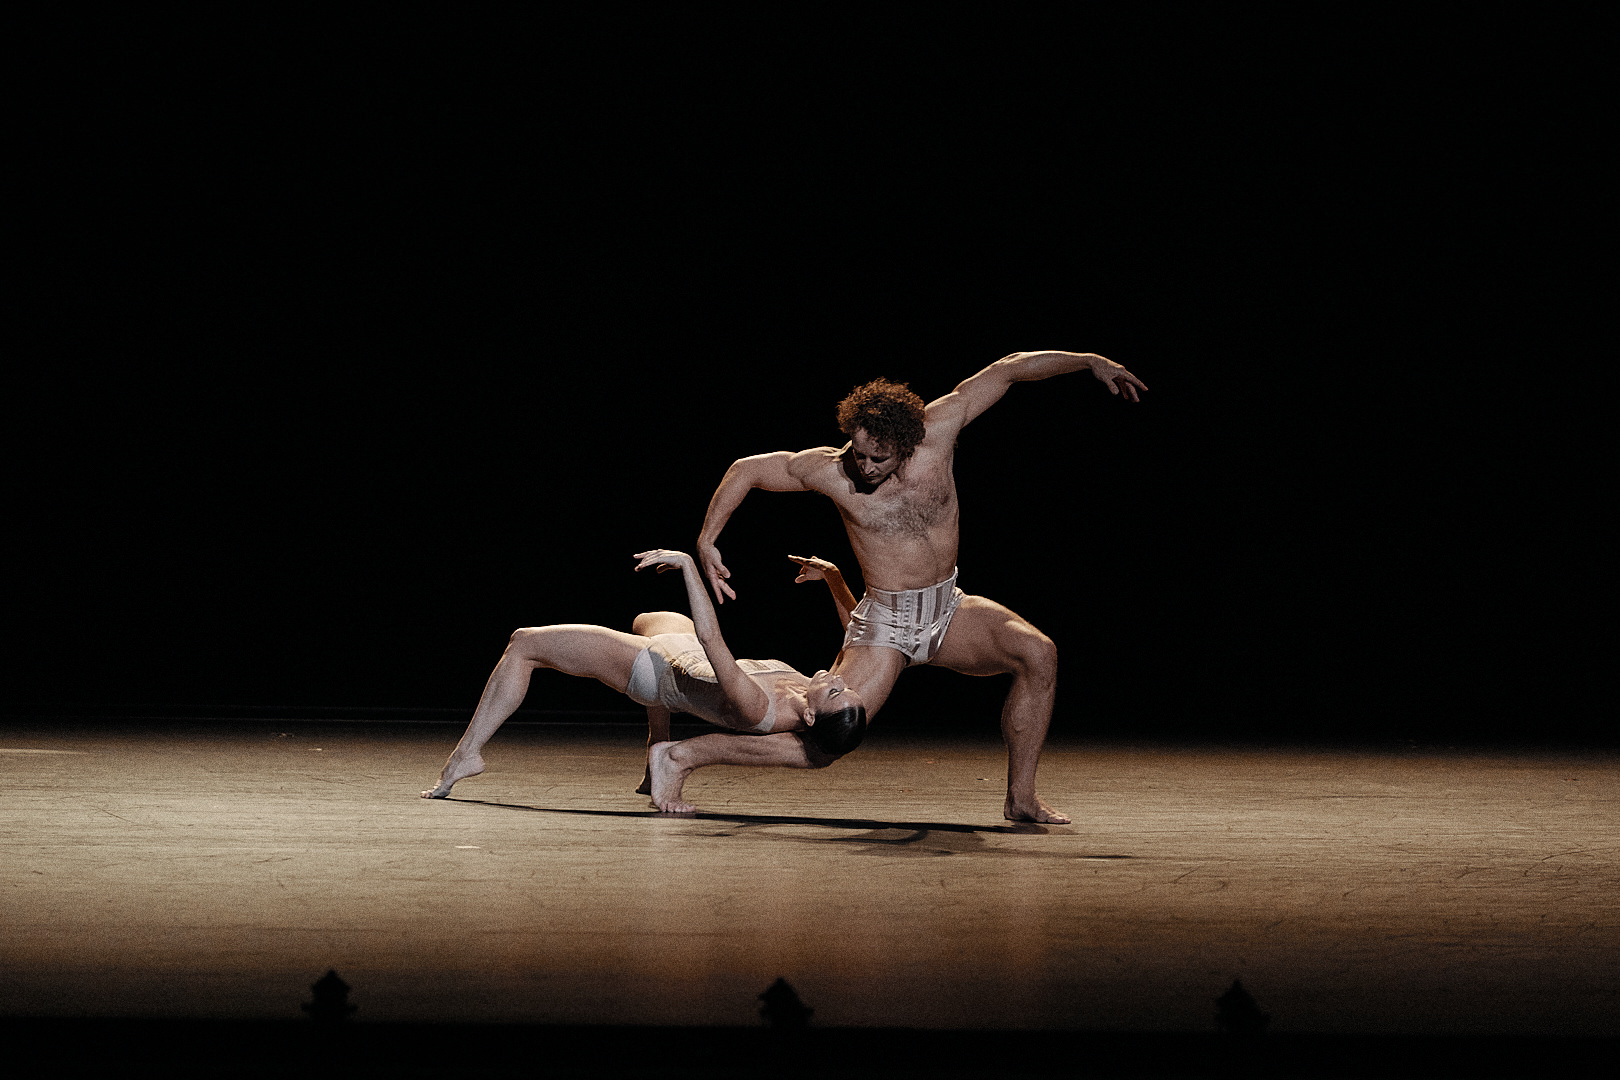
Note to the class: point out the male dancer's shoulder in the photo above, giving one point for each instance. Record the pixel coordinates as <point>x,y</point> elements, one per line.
<point>818,461</point>
<point>827,469</point>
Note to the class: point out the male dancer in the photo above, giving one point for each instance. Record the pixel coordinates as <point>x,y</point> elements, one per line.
<point>894,486</point>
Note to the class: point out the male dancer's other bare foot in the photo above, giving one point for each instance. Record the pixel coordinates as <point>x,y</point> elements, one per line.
<point>667,780</point>
<point>457,768</point>
<point>1032,809</point>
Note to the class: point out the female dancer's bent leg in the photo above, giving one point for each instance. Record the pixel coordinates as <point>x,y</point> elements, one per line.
<point>649,624</point>
<point>670,763</point>
<point>594,652</point>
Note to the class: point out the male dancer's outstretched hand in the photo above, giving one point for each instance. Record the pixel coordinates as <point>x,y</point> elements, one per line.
<point>715,571</point>
<point>1116,378</point>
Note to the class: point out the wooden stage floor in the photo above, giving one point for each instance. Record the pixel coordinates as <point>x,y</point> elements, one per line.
<point>216,869</point>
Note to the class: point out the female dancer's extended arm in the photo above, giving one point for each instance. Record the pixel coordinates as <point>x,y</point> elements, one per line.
<point>814,569</point>
<point>744,693</point>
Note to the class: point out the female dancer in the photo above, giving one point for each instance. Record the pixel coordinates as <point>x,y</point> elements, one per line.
<point>671,663</point>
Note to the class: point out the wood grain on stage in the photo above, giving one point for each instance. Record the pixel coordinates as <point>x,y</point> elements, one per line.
<point>217,869</point>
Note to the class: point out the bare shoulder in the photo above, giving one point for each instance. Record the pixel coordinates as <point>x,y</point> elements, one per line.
<point>945,416</point>
<point>943,421</point>
<point>819,468</point>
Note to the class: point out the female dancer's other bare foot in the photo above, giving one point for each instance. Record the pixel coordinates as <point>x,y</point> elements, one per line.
<point>1032,809</point>
<point>457,768</point>
<point>667,780</point>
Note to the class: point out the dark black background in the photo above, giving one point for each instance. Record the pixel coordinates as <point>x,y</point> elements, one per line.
<point>350,342</point>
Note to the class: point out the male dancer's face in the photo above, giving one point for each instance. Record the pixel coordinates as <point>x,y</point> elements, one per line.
<point>872,460</point>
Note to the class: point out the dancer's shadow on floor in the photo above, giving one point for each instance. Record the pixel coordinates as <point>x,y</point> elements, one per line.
<point>919,828</point>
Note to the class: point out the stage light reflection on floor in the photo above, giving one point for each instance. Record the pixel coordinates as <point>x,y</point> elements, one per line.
<point>216,870</point>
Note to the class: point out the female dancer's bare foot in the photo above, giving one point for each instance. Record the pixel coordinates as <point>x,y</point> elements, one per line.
<point>646,780</point>
<point>1032,809</point>
<point>457,768</point>
<point>667,779</point>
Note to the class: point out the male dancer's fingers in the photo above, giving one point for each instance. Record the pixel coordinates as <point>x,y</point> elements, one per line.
<point>1128,384</point>
<point>715,571</point>
<point>715,585</point>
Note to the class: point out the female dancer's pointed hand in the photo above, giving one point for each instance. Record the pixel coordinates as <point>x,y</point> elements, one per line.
<point>664,559</point>
<point>812,569</point>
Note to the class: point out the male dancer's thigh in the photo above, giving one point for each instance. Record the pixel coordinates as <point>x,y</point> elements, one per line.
<point>984,638</point>
<point>870,670</point>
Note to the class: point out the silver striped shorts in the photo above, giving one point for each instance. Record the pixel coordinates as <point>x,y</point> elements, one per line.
<point>912,621</point>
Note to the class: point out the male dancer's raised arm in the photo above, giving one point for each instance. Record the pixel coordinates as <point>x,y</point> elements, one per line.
<point>979,391</point>
<point>783,470</point>
<point>820,468</point>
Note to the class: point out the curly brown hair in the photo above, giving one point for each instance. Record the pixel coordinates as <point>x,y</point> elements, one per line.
<point>890,413</point>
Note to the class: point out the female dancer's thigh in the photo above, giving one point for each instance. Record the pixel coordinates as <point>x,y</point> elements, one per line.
<point>594,652</point>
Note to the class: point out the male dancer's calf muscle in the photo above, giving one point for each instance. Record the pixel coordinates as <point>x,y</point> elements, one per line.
<point>988,639</point>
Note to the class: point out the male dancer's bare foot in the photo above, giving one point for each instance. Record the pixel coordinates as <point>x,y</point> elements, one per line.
<point>1032,809</point>
<point>667,780</point>
<point>457,768</point>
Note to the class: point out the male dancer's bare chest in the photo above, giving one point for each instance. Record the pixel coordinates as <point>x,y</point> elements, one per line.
<point>903,541</point>
<point>918,507</point>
